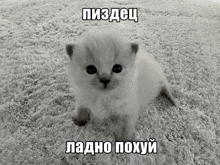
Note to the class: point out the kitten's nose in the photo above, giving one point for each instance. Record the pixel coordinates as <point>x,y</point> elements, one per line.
<point>104,81</point>
<point>104,78</point>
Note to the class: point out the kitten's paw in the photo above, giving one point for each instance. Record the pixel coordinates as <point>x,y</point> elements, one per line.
<point>82,117</point>
<point>79,123</point>
<point>119,138</point>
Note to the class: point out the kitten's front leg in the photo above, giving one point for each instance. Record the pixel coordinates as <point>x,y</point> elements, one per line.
<point>125,127</point>
<point>82,116</point>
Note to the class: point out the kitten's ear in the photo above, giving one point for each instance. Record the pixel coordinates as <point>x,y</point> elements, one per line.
<point>134,47</point>
<point>69,49</point>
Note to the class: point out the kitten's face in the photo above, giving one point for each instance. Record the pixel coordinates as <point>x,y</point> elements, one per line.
<point>103,63</point>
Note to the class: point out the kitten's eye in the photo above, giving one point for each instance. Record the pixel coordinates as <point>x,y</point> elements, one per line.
<point>91,69</point>
<point>117,68</point>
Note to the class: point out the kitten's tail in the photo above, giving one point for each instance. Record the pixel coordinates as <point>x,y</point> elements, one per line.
<point>166,93</point>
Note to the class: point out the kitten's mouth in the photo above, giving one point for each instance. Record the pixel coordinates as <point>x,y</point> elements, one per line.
<point>105,84</point>
<point>106,87</point>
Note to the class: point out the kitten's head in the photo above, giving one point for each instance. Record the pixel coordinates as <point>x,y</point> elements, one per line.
<point>102,60</point>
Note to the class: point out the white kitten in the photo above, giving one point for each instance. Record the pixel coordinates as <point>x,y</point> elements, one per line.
<point>112,79</point>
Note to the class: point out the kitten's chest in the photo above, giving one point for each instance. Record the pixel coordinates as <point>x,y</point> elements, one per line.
<point>109,104</point>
